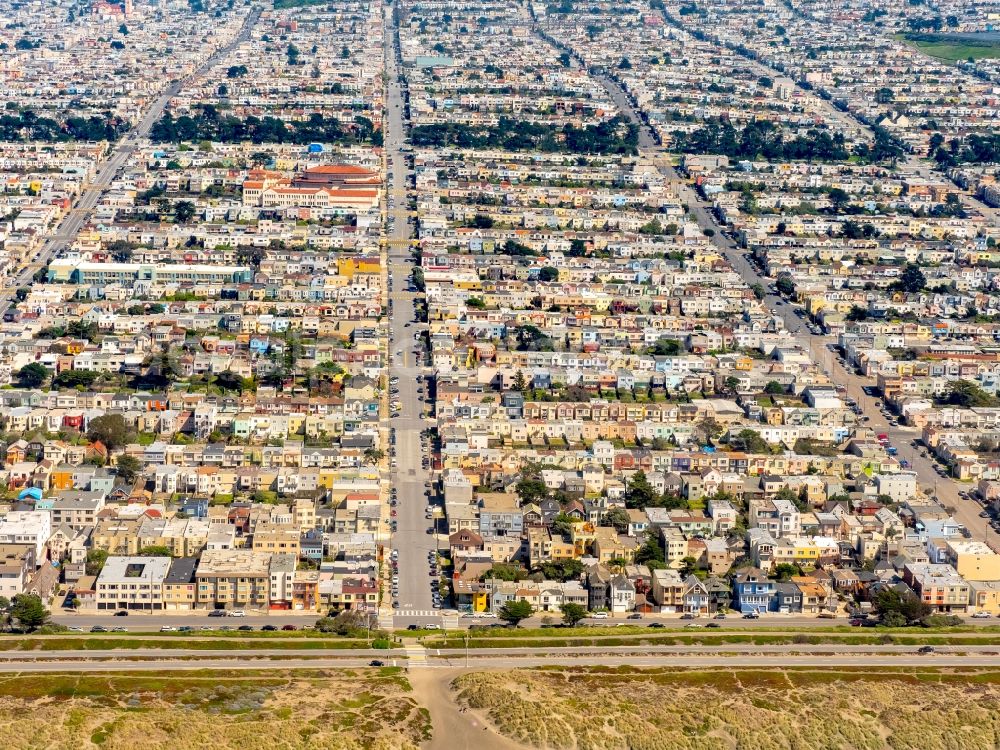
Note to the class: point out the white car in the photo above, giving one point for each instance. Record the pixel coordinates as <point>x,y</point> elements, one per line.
<point>981,615</point>
<point>237,613</point>
<point>167,628</point>
<point>600,615</point>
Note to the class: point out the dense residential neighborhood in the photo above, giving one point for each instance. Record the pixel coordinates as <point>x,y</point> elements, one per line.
<point>425,311</point>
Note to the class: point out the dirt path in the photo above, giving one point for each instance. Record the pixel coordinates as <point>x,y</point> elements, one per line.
<point>453,730</point>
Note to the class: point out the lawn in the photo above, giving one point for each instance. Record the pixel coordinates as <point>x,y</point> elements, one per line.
<point>953,49</point>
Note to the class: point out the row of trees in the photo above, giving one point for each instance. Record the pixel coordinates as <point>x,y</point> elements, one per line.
<point>615,136</point>
<point>27,126</point>
<point>212,126</point>
<point>760,138</point>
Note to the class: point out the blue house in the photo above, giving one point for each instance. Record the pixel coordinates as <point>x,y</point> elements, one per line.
<point>753,591</point>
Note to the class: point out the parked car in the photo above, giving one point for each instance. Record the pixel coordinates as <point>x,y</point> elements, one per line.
<point>121,613</point>
<point>237,613</point>
<point>288,627</point>
<point>600,615</point>
<point>270,628</point>
<point>217,613</point>
<point>98,629</point>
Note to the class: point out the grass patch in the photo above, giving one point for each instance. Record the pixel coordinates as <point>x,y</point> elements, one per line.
<point>951,48</point>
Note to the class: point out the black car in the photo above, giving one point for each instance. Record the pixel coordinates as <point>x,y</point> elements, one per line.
<point>413,627</point>
<point>712,625</point>
<point>376,663</point>
<point>121,613</point>
<point>656,625</point>
<point>217,613</point>
<point>245,627</point>
<point>270,628</point>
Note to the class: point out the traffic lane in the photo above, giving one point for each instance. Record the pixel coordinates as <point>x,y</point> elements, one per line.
<point>477,663</point>
<point>150,621</point>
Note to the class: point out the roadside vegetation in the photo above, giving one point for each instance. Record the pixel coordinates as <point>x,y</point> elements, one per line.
<point>309,709</point>
<point>765,710</point>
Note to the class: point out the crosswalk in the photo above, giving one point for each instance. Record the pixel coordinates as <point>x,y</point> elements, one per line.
<point>417,613</point>
<point>416,655</point>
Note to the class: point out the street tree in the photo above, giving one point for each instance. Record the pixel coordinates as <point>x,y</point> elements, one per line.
<point>29,612</point>
<point>514,612</point>
<point>572,613</point>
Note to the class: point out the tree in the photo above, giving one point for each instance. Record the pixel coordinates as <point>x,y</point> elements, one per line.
<point>373,455</point>
<point>110,429</point>
<point>531,490</point>
<point>519,382</point>
<point>839,198</point>
<point>665,347</point>
<point>156,550</point>
<point>639,493</point>
<point>784,571</point>
<point>548,273</point>
<point>32,375</point>
<point>572,613</point>
<point>348,622</point>
<point>785,285</point>
<point>184,211</point>
<point>912,280</point>
<point>514,612</point>
<point>651,553</point>
<point>95,561</point>
<point>758,290</point>
<point>731,384</point>
<point>29,612</point>
<point>968,394</point>
<point>506,572</point>
<point>128,468</point>
<point>774,388</point>
<point>752,441</point>
<point>896,607</point>
<point>617,517</point>
<point>74,378</point>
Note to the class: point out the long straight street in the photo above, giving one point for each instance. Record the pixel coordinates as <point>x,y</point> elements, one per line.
<point>410,540</point>
<point>820,346</point>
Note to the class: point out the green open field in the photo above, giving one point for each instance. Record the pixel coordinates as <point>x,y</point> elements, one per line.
<point>952,49</point>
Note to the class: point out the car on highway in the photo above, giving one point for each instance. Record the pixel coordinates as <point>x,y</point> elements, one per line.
<point>121,613</point>
<point>376,663</point>
<point>167,628</point>
<point>925,650</point>
<point>119,629</point>
<point>751,616</point>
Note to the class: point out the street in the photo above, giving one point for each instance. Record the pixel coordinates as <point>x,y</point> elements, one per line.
<point>410,540</point>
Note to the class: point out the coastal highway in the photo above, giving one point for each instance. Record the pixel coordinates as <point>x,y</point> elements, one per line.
<point>493,661</point>
<point>121,151</point>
